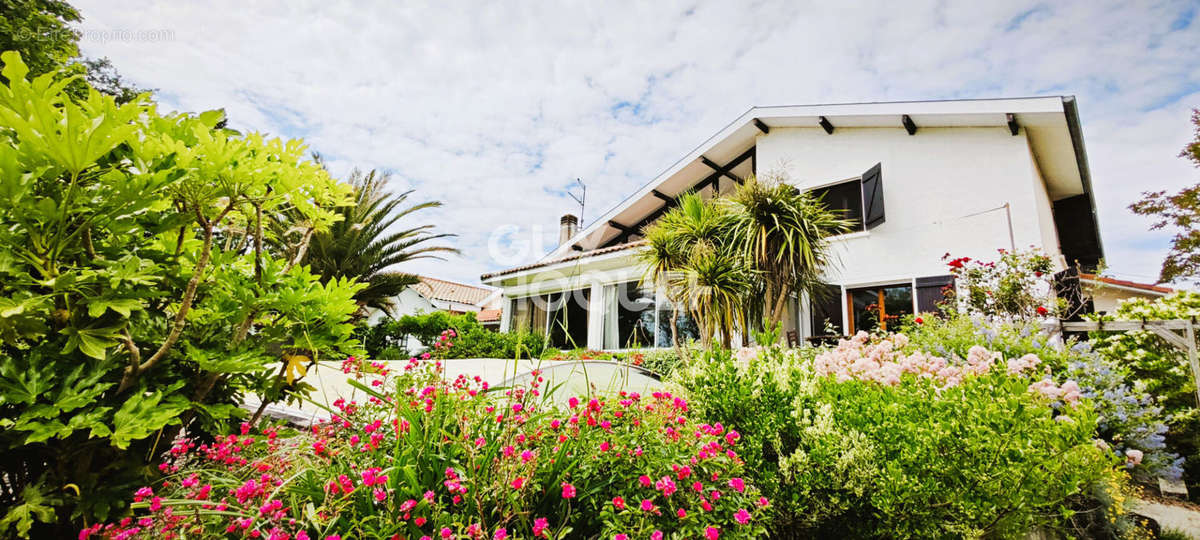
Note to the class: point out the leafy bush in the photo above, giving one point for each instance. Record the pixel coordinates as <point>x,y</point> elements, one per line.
<point>450,460</point>
<point>872,439</point>
<point>135,297</point>
<point>472,341</point>
<point>1163,370</point>
<point>1016,286</point>
<point>1129,418</point>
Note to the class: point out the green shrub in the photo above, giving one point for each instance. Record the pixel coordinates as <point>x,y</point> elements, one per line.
<point>453,461</point>
<point>135,297</point>
<point>844,449</point>
<point>387,339</point>
<point>1163,371</point>
<point>1130,418</point>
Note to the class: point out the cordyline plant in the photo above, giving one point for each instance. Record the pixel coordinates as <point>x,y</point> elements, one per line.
<point>136,296</point>
<point>438,459</point>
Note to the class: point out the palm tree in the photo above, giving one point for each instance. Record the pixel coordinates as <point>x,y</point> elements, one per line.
<point>366,244</point>
<point>690,251</point>
<point>782,233</point>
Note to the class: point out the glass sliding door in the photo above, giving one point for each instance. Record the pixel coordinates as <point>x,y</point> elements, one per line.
<point>825,317</point>
<point>874,308</point>
<point>567,312</point>
<point>632,311</point>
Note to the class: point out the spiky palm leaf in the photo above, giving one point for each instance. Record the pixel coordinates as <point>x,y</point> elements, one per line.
<point>366,244</point>
<point>783,234</point>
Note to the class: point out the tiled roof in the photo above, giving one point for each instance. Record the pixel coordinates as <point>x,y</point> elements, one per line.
<point>584,255</point>
<point>488,315</point>
<point>440,289</point>
<point>1131,284</point>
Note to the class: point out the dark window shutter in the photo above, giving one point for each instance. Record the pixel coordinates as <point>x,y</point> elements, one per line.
<point>872,188</point>
<point>931,291</point>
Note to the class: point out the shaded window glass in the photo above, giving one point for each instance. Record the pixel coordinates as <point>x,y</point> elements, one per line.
<point>844,198</point>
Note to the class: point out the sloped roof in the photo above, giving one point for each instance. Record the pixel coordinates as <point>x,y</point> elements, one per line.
<point>488,315</point>
<point>556,260</point>
<point>451,291</point>
<point>1147,287</point>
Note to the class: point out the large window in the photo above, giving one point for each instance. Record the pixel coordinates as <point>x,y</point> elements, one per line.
<point>876,307</point>
<point>826,314</point>
<point>631,310</point>
<point>529,314</point>
<point>686,328</point>
<point>845,198</point>
<point>568,316</point>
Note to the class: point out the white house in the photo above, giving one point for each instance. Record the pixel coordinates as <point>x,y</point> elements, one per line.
<point>922,179</point>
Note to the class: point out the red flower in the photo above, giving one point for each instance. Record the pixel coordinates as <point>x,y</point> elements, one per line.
<point>1041,310</point>
<point>919,320</point>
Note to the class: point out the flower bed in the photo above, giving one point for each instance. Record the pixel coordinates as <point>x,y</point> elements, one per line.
<point>436,459</point>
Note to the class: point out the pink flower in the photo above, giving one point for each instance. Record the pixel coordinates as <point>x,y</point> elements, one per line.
<point>619,502</point>
<point>620,537</point>
<point>732,437</point>
<point>737,484</point>
<point>526,456</point>
<point>446,532</point>
<point>1134,456</point>
<point>568,491</point>
<point>712,533</point>
<point>380,494</point>
<point>518,482</point>
<point>647,505</point>
<point>539,526</point>
<point>681,513</point>
<point>501,534</point>
<point>645,480</point>
<point>656,535</point>
<point>762,502</point>
<point>573,402</point>
<point>742,516</point>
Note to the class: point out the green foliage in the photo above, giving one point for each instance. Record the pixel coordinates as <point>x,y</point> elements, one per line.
<point>783,232</point>
<point>721,259</point>
<point>389,337</point>
<point>1163,370</point>
<point>40,30</point>
<point>366,241</point>
<point>860,459</point>
<point>1016,286</point>
<point>1179,211</point>
<point>136,298</point>
<point>1129,416</point>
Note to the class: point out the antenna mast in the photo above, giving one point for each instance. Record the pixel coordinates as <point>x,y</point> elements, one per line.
<point>581,199</point>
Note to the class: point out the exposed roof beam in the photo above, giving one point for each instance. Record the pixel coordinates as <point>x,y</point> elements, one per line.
<point>623,228</point>
<point>576,247</point>
<point>909,126</point>
<point>762,126</point>
<point>662,195</point>
<point>723,170</point>
<point>825,124</point>
<point>1013,126</point>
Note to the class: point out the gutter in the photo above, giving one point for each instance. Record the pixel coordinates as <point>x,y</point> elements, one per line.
<point>1071,110</point>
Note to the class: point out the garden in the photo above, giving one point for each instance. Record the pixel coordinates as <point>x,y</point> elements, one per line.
<point>159,268</point>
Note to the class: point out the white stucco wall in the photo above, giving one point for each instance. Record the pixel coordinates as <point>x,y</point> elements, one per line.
<point>939,186</point>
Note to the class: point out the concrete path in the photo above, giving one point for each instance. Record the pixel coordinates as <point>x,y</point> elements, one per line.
<point>1171,516</point>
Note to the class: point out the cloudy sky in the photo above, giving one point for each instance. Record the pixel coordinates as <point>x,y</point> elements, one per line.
<point>496,107</point>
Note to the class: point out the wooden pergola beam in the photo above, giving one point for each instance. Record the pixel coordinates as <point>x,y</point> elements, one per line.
<point>1013,126</point>
<point>909,125</point>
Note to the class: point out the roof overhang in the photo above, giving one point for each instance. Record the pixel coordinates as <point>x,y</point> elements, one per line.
<point>1050,123</point>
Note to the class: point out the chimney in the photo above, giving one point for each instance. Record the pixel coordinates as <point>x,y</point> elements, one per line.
<point>567,227</point>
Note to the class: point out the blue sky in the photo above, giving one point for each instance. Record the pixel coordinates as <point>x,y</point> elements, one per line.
<point>495,108</point>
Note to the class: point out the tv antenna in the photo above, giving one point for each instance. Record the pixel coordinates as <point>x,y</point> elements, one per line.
<point>581,199</point>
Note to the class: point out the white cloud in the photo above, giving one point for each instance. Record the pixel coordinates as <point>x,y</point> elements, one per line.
<point>495,107</point>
